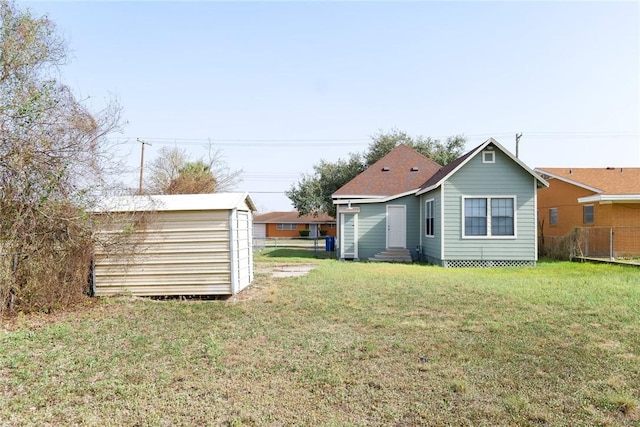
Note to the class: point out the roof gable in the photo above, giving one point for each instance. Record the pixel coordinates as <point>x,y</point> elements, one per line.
<point>446,171</point>
<point>606,181</point>
<point>402,170</point>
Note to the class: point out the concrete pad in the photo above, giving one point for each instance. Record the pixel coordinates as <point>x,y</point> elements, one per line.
<point>291,270</point>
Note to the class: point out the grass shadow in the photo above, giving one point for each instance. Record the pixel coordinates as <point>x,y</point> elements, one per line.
<point>296,253</point>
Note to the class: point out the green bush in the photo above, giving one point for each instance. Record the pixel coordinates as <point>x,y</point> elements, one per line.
<point>304,233</point>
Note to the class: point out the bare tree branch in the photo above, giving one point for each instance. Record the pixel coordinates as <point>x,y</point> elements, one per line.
<point>53,164</point>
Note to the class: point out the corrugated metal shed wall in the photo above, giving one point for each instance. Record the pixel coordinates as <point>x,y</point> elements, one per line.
<point>181,253</point>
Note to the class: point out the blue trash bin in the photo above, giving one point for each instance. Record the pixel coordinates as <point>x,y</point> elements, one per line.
<point>327,243</point>
<point>331,243</point>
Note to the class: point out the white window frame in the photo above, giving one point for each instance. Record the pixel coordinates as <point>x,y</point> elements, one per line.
<point>488,159</point>
<point>431,202</point>
<point>286,226</point>
<point>553,223</point>
<point>489,235</point>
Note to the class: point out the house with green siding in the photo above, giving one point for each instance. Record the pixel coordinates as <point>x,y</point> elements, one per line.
<point>479,210</point>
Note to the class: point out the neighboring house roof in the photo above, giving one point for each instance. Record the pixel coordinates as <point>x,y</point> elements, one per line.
<point>290,217</point>
<point>402,170</point>
<point>601,180</point>
<point>610,184</point>
<point>176,202</point>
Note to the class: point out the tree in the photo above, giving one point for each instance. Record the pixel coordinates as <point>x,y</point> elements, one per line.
<point>172,173</point>
<point>53,163</point>
<point>164,169</point>
<point>382,143</point>
<point>312,194</point>
<point>193,178</point>
<point>441,153</point>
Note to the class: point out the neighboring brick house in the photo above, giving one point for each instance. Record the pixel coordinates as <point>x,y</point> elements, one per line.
<point>605,200</point>
<point>289,224</point>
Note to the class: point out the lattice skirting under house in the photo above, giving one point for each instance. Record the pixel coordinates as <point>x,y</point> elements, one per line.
<point>463,263</point>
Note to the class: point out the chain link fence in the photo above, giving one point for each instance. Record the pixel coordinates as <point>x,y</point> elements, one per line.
<point>320,243</point>
<point>613,243</point>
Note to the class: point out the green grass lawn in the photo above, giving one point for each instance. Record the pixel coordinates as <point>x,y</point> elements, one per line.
<point>349,344</point>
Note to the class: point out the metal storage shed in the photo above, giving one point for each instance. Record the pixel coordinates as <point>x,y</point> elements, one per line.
<point>192,244</point>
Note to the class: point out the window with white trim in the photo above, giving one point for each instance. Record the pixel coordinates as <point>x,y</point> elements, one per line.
<point>429,218</point>
<point>489,217</point>
<point>588,215</point>
<point>553,216</point>
<point>475,217</point>
<point>488,157</point>
<point>286,226</point>
<point>502,217</point>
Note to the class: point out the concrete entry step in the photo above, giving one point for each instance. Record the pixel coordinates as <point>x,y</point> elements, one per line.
<point>393,255</point>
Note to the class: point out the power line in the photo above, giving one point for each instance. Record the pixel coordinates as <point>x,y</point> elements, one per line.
<point>359,142</point>
<point>285,140</point>
<point>265,192</point>
<point>270,175</point>
<point>302,143</point>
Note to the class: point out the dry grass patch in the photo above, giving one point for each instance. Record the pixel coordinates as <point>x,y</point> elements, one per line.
<point>348,344</point>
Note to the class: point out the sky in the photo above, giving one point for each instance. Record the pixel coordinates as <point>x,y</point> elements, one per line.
<point>279,86</point>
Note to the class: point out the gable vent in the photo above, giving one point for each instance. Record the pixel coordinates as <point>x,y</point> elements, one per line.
<point>385,169</point>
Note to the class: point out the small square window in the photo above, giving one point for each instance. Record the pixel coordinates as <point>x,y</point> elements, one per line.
<point>488,157</point>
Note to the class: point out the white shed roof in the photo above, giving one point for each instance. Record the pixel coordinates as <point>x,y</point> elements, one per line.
<point>178,202</point>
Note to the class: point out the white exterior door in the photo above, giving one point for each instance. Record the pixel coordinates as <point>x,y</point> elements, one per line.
<point>396,226</point>
<point>349,236</point>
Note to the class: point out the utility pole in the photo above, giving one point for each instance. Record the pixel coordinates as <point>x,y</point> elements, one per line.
<point>141,162</point>
<point>518,136</point>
